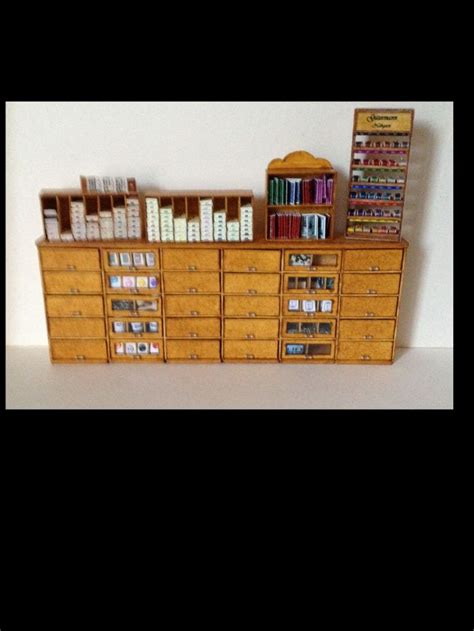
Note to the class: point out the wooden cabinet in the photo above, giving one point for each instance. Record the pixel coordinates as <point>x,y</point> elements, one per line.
<point>139,302</point>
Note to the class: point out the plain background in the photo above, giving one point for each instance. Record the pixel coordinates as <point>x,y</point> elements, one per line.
<point>215,146</point>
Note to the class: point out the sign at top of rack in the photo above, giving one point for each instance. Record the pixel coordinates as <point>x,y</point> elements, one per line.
<point>384,121</point>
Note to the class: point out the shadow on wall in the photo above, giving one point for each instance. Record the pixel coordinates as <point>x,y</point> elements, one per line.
<point>415,214</point>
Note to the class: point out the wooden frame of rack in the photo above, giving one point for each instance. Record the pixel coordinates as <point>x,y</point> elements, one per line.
<point>300,164</point>
<point>396,128</point>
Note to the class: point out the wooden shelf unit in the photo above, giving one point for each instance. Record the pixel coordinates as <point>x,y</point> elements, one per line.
<point>300,164</point>
<point>319,302</point>
<point>385,133</point>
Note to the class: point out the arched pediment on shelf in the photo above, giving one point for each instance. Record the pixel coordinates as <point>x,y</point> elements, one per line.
<point>298,160</point>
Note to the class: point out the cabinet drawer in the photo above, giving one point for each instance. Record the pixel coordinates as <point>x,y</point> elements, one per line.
<point>252,283</point>
<point>79,349</point>
<point>76,327</point>
<point>310,284</point>
<point>132,283</point>
<point>188,259</point>
<point>119,260</point>
<point>373,260</point>
<point>135,327</point>
<point>70,259</point>
<point>193,349</point>
<point>193,327</point>
<point>251,306</point>
<point>366,329</point>
<point>251,328</point>
<point>302,349</point>
<point>72,282</point>
<point>192,282</point>
<point>192,305</point>
<point>255,349</point>
<point>370,283</point>
<point>299,327</point>
<point>304,260</point>
<point>363,307</point>
<point>365,351</point>
<point>132,350</point>
<point>252,260</point>
<point>130,306</point>
<point>68,306</point>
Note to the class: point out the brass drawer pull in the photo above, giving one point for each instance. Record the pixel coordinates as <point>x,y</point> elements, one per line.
<point>365,357</point>
<point>74,291</point>
<point>312,291</point>
<point>76,313</point>
<point>250,356</point>
<point>307,356</point>
<point>193,334</point>
<point>80,356</point>
<point>369,314</point>
<point>252,269</point>
<point>313,268</point>
<point>375,268</point>
<point>371,291</point>
<point>194,313</point>
<point>138,334</point>
<point>252,314</point>
<point>137,357</point>
<point>368,337</point>
<point>135,290</point>
<point>192,268</point>
<point>71,267</point>
<point>252,291</point>
<point>309,334</point>
<point>193,356</point>
<point>192,290</point>
<point>250,336</point>
<point>134,313</point>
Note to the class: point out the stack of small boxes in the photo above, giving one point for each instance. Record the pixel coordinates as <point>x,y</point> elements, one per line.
<point>233,230</point>
<point>106,224</point>
<point>78,220</point>
<point>166,223</point>
<point>205,214</point>
<point>152,219</point>
<point>92,228</point>
<point>246,222</point>
<point>220,225</point>
<point>133,218</point>
<point>120,222</point>
<point>180,232</point>
<point>194,229</point>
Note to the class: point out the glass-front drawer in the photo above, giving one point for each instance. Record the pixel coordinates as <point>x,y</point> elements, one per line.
<point>192,305</point>
<point>254,349</point>
<point>193,349</point>
<point>146,328</point>
<point>70,259</point>
<point>312,260</point>
<point>132,283</point>
<point>132,349</point>
<point>76,327</point>
<point>190,260</point>
<point>193,327</point>
<point>373,260</point>
<point>251,306</point>
<point>127,306</point>
<point>74,306</point>
<point>72,282</point>
<point>365,351</point>
<point>251,283</point>
<point>370,283</point>
<point>117,259</point>
<point>251,328</point>
<point>192,282</point>
<point>252,260</point>
<point>365,307</point>
<point>296,327</point>
<point>366,329</point>
<point>310,284</point>
<point>310,307</point>
<point>79,350</point>
<point>302,349</point>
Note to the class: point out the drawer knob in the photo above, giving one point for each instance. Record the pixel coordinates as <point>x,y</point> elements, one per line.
<point>193,356</point>
<point>250,356</point>
<point>194,313</point>
<point>371,291</point>
<point>192,268</point>
<point>134,313</point>
<point>192,290</point>
<point>365,357</point>
<point>369,337</point>
<point>375,268</point>
<point>250,336</point>
<point>193,335</point>
<point>307,356</point>
<point>252,291</point>
<point>76,313</point>
<point>74,291</point>
<point>80,356</point>
<point>309,334</point>
<point>135,290</point>
<point>137,357</point>
<point>138,334</point>
<point>313,268</point>
<point>252,269</point>
<point>71,267</point>
<point>252,314</point>
<point>369,314</point>
<point>312,291</point>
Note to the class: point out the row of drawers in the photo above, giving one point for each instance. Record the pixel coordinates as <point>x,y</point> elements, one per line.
<point>210,350</point>
<point>241,306</point>
<point>241,260</point>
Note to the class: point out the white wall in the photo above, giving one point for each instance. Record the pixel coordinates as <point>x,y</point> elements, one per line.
<point>220,145</point>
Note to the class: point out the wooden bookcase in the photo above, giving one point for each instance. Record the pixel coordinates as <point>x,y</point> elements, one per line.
<point>300,165</point>
<point>381,142</point>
